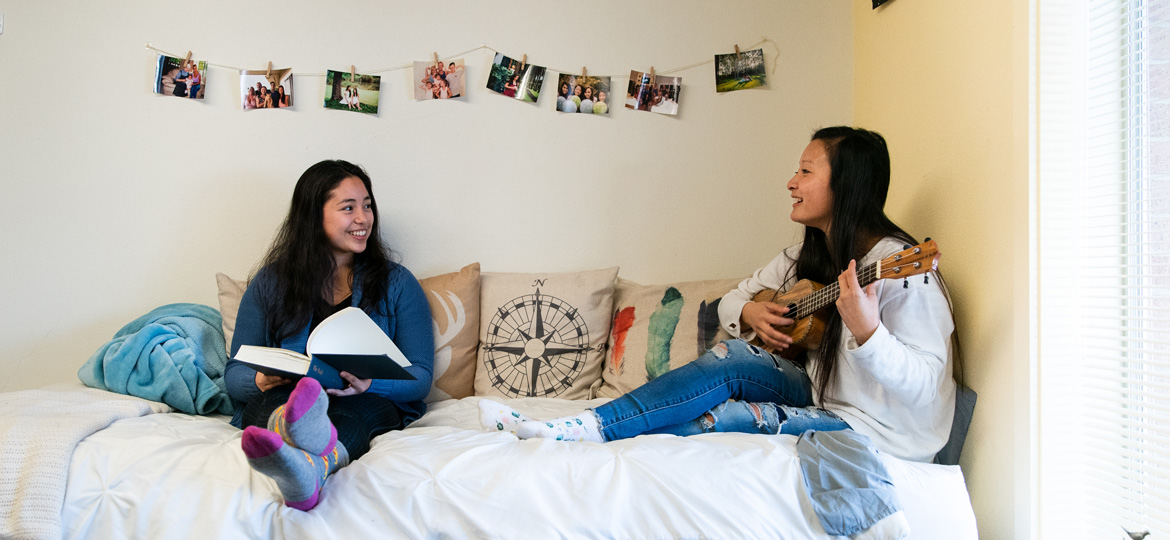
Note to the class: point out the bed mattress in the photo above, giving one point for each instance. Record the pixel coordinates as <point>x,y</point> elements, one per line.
<point>180,476</point>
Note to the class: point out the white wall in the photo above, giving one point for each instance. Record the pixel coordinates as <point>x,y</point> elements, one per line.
<point>116,200</point>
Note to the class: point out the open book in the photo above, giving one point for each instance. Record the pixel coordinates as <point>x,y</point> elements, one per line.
<point>348,340</point>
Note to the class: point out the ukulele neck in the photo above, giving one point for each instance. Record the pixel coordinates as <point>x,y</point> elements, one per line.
<point>828,294</point>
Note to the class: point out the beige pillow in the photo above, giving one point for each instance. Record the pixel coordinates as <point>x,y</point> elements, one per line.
<point>543,335</point>
<point>454,301</point>
<point>685,322</point>
<point>230,293</point>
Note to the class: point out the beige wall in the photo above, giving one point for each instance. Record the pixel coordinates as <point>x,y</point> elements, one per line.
<point>116,200</point>
<point>947,83</point>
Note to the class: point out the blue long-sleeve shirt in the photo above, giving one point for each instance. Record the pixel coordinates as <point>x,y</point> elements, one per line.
<point>406,319</point>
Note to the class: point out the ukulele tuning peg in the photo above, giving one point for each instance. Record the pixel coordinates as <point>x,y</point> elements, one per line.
<point>927,239</point>
<point>905,246</point>
<point>905,283</point>
<point>926,279</point>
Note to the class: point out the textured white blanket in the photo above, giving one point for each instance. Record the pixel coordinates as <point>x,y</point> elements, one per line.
<point>177,476</point>
<point>38,432</point>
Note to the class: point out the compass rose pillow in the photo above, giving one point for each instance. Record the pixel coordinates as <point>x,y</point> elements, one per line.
<point>657,328</point>
<point>543,335</point>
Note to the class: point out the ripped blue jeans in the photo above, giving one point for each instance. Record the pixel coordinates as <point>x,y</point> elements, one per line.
<point>734,387</point>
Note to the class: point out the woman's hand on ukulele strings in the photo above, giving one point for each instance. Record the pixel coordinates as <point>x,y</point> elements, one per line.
<point>764,317</point>
<point>858,307</point>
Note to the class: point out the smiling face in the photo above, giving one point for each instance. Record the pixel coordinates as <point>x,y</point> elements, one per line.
<point>348,218</point>
<point>809,188</point>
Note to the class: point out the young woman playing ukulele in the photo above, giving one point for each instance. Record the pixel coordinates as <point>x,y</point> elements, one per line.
<point>883,365</point>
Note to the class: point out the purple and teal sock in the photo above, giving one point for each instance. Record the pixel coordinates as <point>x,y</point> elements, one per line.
<point>299,475</point>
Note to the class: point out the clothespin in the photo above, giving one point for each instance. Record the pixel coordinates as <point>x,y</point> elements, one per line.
<point>268,75</point>
<point>523,62</point>
<point>188,59</point>
<point>737,53</point>
<point>352,73</point>
<point>652,77</point>
<point>584,73</point>
<point>437,59</point>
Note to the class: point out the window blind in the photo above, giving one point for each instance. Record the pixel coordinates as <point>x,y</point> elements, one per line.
<point>1103,231</point>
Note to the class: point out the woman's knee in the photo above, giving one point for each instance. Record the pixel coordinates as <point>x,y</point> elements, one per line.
<point>734,353</point>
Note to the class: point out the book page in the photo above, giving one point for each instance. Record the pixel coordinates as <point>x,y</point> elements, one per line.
<point>351,331</point>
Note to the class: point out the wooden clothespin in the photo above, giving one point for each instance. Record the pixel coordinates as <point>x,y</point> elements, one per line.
<point>523,62</point>
<point>584,72</point>
<point>652,78</point>
<point>737,53</point>
<point>188,59</point>
<point>437,63</point>
<point>352,73</point>
<point>268,75</point>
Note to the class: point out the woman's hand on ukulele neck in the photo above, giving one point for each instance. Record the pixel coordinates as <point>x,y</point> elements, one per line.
<point>858,307</point>
<point>764,317</point>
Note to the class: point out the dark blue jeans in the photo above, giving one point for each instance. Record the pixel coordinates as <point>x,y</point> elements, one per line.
<point>771,395</point>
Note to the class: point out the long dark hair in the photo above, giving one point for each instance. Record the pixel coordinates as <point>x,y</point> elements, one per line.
<point>859,165</point>
<point>301,262</point>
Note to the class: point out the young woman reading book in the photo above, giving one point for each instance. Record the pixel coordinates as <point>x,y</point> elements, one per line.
<point>883,367</point>
<point>327,255</point>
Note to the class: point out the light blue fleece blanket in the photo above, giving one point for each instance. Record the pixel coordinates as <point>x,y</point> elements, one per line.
<point>175,355</point>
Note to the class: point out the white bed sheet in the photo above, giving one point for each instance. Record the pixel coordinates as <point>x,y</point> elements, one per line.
<point>178,476</point>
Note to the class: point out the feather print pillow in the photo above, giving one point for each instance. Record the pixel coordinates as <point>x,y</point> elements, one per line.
<point>657,328</point>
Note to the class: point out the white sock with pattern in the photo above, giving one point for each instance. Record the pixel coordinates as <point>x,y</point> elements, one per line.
<point>579,427</point>
<point>495,416</point>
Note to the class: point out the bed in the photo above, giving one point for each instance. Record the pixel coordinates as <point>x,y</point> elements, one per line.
<point>83,462</point>
<point>156,473</point>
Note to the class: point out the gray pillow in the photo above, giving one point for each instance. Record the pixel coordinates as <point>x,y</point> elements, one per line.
<point>964,409</point>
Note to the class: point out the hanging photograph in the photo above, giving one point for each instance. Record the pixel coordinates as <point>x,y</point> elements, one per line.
<point>264,89</point>
<point>442,80</point>
<point>740,71</point>
<point>179,77</point>
<point>352,92</point>
<point>583,94</point>
<point>510,78</point>
<point>656,94</point>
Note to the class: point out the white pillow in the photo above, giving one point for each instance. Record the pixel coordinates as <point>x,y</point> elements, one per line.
<point>231,291</point>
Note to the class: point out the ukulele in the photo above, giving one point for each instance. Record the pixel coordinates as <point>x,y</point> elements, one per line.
<point>807,299</point>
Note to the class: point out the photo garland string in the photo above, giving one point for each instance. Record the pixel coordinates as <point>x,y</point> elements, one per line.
<point>443,79</point>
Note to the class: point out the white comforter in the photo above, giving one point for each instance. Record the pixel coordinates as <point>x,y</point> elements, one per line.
<point>178,476</point>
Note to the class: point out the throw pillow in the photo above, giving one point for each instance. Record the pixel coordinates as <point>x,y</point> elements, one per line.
<point>657,328</point>
<point>543,335</point>
<point>454,301</point>
<point>230,293</point>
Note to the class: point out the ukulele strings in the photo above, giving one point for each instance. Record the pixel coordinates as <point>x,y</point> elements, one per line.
<point>829,293</point>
